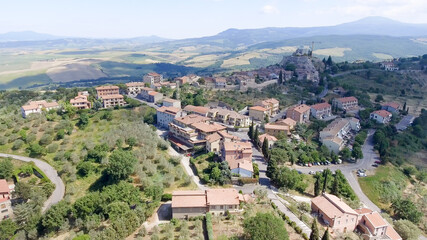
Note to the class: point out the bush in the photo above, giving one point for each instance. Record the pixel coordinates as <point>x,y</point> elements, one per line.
<point>209,226</point>
<point>166,197</point>
<point>304,236</point>
<point>17,144</point>
<point>52,148</point>
<point>85,168</point>
<point>406,229</point>
<point>46,139</point>
<point>298,230</point>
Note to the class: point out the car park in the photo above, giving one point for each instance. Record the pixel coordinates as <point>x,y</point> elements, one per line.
<point>375,165</point>
<point>378,162</point>
<point>311,172</point>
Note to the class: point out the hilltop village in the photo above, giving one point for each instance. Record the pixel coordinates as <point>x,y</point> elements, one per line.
<point>285,140</point>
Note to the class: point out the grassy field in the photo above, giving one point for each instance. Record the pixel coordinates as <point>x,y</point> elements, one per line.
<point>415,104</point>
<point>373,186</point>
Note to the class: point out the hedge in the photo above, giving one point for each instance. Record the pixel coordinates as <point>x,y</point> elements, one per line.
<point>209,226</point>
<point>166,197</point>
<point>247,180</point>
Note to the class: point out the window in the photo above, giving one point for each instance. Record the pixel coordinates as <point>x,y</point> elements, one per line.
<point>221,207</point>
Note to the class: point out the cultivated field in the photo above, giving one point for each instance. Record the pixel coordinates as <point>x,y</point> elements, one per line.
<point>334,52</point>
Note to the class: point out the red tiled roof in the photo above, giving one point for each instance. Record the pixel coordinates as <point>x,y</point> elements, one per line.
<point>382,113</point>
<point>258,108</point>
<point>391,104</point>
<point>106,87</point>
<point>4,187</point>
<point>347,99</point>
<point>321,106</point>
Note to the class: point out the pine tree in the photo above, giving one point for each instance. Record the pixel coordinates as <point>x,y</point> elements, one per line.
<point>314,231</point>
<point>265,148</point>
<point>280,78</point>
<point>256,135</point>
<point>326,235</point>
<point>271,167</point>
<point>329,61</point>
<point>404,107</point>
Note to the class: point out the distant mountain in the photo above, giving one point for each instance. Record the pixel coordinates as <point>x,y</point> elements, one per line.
<point>234,38</point>
<point>26,36</point>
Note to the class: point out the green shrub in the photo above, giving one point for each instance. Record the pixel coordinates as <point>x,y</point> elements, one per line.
<point>298,230</point>
<point>209,226</point>
<point>304,236</point>
<point>166,197</point>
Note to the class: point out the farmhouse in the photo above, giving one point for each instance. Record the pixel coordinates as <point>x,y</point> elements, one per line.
<point>187,204</point>
<point>220,82</point>
<point>38,107</point>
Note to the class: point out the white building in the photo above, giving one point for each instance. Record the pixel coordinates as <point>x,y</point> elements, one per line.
<point>152,78</point>
<point>5,203</point>
<point>134,88</point>
<point>38,107</point>
<point>321,110</point>
<point>381,116</point>
<point>166,115</point>
<point>336,134</point>
<point>169,102</point>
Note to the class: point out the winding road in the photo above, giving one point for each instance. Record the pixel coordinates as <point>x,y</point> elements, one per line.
<point>50,172</point>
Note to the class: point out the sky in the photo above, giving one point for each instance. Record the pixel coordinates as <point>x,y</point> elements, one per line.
<point>179,19</point>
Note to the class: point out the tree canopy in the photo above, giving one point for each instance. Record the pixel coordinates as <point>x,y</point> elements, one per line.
<point>265,226</point>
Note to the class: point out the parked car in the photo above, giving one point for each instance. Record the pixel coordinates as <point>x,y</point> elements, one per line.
<point>375,165</point>
<point>310,165</point>
<point>362,174</point>
<point>378,162</point>
<point>311,172</point>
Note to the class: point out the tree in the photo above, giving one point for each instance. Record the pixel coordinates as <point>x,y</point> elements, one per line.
<point>326,235</point>
<point>357,153</point>
<point>345,153</point>
<point>7,229</point>
<point>36,150</point>
<point>256,136</point>
<point>83,121</point>
<point>406,209</point>
<point>280,78</point>
<point>266,119</point>
<point>131,142</point>
<point>251,130</point>
<point>265,147</point>
<point>121,164</point>
<point>314,231</point>
<point>406,229</point>
<point>329,61</point>
<point>317,186</point>
<point>55,216</point>
<point>265,226</point>
<point>6,168</point>
<point>379,98</point>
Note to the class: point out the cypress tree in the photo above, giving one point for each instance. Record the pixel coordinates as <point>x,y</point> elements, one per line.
<point>314,231</point>
<point>326,235</point>
<point>251,131</point>
<point>317,186</point>
<point>265,148</point>
<point>280,78</point>
<point>256,135</point>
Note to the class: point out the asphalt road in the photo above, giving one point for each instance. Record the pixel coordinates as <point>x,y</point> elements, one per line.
<point>142,101</point>
<point>349,170</point>
<point>51,173</point>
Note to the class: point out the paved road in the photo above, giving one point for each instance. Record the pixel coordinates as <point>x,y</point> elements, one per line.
<point>325,90</point>
<point>349,170</point>
<point>264,181</point>
<point>145,102</point>
<point>51,173</point>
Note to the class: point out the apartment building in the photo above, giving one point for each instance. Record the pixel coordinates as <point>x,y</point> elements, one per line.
<point>337,133</point>
<point>299,113</point>
<point>199,110</point>
<point>169,102</point>
<point>38,107</point>
<point>229,117</point>
<point>184,135</point>
<point>215,141</point>
<point>159,85</point>
<point>258,113</point>
<point>154,96</point>
<point>272,105</point>
<point>5,200</point>
<point>346,103</point>
<point>113,100</point>
<point>239,157</point>
<point>381,116</point>
<point>152,78</point>
<point>134,88</point>
<point>321,110</point>
<point>106,90</point>
<point>81,101</point>
<point>186,204</point>
<point>166,115</point>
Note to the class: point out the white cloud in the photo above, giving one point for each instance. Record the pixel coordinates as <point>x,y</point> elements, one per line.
<point>270,9</point>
